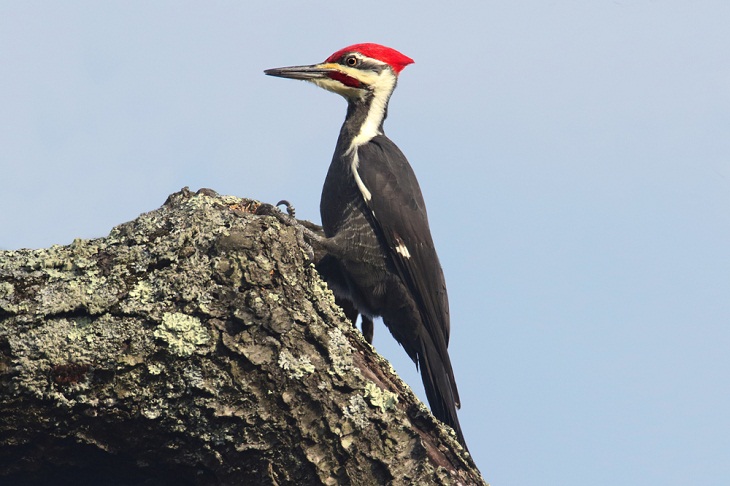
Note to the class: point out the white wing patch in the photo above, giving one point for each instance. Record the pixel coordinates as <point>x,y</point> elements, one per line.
<point>401,248</point>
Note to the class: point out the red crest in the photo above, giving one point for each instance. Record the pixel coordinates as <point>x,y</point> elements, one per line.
<point>393,58</point>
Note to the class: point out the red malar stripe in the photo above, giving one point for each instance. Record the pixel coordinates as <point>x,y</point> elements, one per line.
<point>345,79</point>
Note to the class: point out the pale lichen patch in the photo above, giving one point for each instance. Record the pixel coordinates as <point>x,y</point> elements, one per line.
<point>380,398</point>
<point>80,329</point>
<point>340,352</point>
<point>142,292</point>
<point>296,368</point>
<point>152,409</point>
<point>182,333</point>
<point>356,411</point>
<point>155,368</point>
<point>6,290</point>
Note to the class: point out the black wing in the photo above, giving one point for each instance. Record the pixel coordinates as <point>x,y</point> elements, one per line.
<point>400,218</point>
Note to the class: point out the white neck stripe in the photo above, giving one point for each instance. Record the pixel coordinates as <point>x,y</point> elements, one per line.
<point>382,89</point>
<point>358,180</point>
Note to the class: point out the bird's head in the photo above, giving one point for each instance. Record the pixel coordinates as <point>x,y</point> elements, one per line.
<point>353,72</point>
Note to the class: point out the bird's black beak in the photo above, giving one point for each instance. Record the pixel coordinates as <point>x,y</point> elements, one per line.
<point>306,73</point>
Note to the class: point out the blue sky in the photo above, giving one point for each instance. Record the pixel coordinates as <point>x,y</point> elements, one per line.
<point>574,156</point>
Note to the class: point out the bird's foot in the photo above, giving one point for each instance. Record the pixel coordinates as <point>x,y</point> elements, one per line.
<point>266,209</point>
<point>305,236</point>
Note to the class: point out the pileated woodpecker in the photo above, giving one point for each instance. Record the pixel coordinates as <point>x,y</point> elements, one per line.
<point>381,255</point>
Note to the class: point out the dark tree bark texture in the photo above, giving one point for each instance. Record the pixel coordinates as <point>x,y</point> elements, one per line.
<point>197,345</point>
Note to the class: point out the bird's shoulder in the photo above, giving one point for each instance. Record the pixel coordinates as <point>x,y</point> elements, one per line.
<point>382,165</point>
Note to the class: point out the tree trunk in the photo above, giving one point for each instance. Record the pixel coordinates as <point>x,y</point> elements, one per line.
<point>197,345</point>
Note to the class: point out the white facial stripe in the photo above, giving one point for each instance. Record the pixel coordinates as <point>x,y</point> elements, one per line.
<point>365,77</point>
<point>382,86</point>
<point>337,87</point>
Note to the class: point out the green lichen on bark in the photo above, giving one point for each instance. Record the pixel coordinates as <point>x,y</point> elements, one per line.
<point>197,344</point>
<point>296,368</point>
<point>182,333</point>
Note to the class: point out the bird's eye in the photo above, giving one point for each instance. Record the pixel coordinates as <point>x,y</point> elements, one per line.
<point>351,61</point>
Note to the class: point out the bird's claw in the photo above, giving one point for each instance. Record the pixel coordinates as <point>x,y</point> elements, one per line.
<point>266,209</point>
<point>290,210</point>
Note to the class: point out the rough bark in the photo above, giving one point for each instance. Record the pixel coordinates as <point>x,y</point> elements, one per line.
<point>197,345</point>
